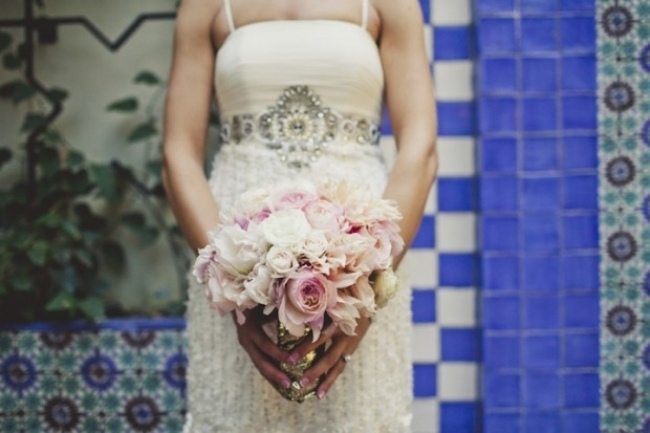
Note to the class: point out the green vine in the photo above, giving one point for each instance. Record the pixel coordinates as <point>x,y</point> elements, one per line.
<point>59,243</point>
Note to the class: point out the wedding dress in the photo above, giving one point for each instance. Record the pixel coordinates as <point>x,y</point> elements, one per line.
<point>298,100</point>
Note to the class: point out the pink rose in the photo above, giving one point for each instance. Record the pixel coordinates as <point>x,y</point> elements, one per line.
<point>345,314</point>
<point>291,198</point>
<point>388,243</point>
<point>324,215</point>
<point>202,263</point>
<point>307,296</point>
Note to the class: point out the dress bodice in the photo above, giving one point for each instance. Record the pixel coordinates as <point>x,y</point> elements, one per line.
<point>337,60</point>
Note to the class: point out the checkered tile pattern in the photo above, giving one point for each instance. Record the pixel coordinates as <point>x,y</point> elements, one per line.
<point>443,259</point>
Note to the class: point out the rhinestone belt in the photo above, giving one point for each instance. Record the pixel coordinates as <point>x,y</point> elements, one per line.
<point>298,127</point>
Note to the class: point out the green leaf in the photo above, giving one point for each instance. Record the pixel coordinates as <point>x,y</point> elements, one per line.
<point>71,229</point>
<point>142,132</point>
<point>107,181</point>
<point>75,159</point>
<point>17,91</point>
<point>133,220</point>
<point>68,279</point>
<point>52,136</point>
<point>63,301</point>
<point>155,168</point>
<point>50,219</point>
<point>57,94</point>
<point>11,61</point>
<point>148,235</point>
<point>113,255</point>
<point>48,160</point>
<point>33,121</point>
<point>125,105</point>
<point>38,253</point>
<point>93,307</point>
<point>148,78</point>
<point>5,40</point>
<point>5,156</point>
<point>21,283</point>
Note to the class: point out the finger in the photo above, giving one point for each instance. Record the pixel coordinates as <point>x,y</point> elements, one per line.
<point>331,377</point>
<point>327,362</point>
<point>265,345</point>
<point>307,346</point>
<point>270,372</point>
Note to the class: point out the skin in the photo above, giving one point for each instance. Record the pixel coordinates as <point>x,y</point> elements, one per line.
<point>201,30</point>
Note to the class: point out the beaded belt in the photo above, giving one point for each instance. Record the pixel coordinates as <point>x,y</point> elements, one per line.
<point>298,127</point>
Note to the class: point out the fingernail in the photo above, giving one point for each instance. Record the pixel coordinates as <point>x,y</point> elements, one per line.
<point>292,359</point>
<point>304,381</point>
<point>320,394</point>
<point>286,383</point>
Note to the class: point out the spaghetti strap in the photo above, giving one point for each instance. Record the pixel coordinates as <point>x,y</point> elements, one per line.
<point>364,14</point>
<point>228,10</point>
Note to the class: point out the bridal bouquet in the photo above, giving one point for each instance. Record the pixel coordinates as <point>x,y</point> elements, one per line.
<point>306,253</point>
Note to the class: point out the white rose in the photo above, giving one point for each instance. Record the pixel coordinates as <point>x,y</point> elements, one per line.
<point>315,244</point>
<point>252,201</point>
<point>258,287</point>
<point>385,287</point>
<point>281,261</point>
<point>287,228</point>
<point>238,250</point>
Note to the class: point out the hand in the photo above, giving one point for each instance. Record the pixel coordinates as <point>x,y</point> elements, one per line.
<point>332,363</point>
<point>263,352</point>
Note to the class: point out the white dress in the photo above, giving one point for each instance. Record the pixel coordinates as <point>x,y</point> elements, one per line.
<point>298,100</point>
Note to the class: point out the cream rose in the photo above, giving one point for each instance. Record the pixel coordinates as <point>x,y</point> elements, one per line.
<point>238,250</point>
<point>287,228</point>
<point>281,261</point>
<point>315,244</point>
<point>258,287</point>
<point>385,287</point>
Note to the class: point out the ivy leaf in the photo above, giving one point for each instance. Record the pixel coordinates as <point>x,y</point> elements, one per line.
<point>75,159</point>
<point>21,283</point>
<point>52,136</point>
<point>107,182</point>
<point>38,253</point>
<point>11,61</point>
<point>92,307</point>
<point>5,156</point>
<point>133,220</point>
<point>57,94</point>
<point>125,105</point>
<point>148,235</point>
<point>33,121</point>
<point>17,91</point>
<point>63,301</point>
<point>5,40</point>
<point>71,229</point>
<point>154,168</point>
<point>48,161</point>
<point>112,255</point>
<point>147,78</point>
<point>142,132</point>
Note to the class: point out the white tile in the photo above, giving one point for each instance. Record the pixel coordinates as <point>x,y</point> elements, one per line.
<point>428,41</point>
<point>431,207</point>
<point>457,156</point>
<point>422,267</point>
<point>426,343</point>
<point>456,307</point>
<point>456,232</point>
<point>426,415</point>
<point>454,80</point>
<point>451,12</point>
<point>387,145</point>
<point>457,381</point>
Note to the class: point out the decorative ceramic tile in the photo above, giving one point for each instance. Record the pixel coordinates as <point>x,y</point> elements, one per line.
<point>624,152</point>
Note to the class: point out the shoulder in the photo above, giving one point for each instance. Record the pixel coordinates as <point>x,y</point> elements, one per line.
<point>398,15</point>
<point>201,16</point>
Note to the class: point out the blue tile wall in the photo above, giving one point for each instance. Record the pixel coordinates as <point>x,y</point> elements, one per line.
<point>538,207</point>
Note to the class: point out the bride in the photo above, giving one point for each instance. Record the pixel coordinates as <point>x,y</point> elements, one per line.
<point>299,86</point>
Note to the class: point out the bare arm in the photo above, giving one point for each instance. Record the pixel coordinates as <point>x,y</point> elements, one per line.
<point>186,120</point>
<point>410,99</point>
